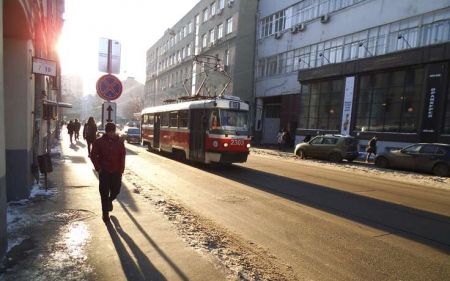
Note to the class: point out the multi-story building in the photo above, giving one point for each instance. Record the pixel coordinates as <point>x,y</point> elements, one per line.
<point>28,96</point>
<point>220,31</point>
<point>358,67</point>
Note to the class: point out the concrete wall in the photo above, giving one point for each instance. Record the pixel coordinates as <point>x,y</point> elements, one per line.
<point>3,205</point>
<point>19,104</point>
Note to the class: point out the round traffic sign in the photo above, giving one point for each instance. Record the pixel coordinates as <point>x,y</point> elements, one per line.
<point>109,87</point>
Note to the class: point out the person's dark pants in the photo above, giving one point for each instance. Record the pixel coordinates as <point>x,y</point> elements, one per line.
<point>109,188</point>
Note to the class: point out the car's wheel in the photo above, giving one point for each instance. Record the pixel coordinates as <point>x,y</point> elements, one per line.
<point>301,154</point>
<point>441,170</point>
<point>382,162</point>
<point>335,157</point>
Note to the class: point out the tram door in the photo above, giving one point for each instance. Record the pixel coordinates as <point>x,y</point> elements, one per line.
<point>157,130</point>
<point>197,136</point>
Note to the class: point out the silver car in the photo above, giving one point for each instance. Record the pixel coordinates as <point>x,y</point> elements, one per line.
<point>425,157</point>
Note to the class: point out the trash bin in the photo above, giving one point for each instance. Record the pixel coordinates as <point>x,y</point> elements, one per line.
<point>45,163</point>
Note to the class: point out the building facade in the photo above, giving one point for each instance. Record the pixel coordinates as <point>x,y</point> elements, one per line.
<point>356,67</point>
<point>220,31</point>
<point>28,101</point>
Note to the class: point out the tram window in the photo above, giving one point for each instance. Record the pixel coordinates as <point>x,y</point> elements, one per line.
<point>145,119</point>
<point>165,119</point>
<point>183,119</point>
<point>214,120</point>
<point>173,119</point>
<point>151,120</point>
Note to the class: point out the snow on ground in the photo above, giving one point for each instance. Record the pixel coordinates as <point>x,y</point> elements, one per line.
<point>360,167</point>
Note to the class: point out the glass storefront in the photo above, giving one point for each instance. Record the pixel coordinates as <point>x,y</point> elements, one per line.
<point>321,105</point>
<point>390,101</point>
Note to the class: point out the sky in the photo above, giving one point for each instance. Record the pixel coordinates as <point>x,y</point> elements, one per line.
<point>136,24</point>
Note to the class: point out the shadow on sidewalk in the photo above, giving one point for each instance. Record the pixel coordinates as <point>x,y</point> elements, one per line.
<point>142,269</point>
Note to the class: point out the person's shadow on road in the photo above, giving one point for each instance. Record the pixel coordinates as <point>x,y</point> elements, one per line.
<point>142,269</point>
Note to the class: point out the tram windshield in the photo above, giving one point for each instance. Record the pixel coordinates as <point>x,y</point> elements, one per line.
<point>229,120</point>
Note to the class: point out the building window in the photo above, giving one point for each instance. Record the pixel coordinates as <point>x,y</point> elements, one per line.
<point>213,9</point>
<point>221,4</point>
<point>321,105</point>
<point>390,101</point>
<point>266,26</point>
<point>226,59</point>
<point>204,40</point>
<point>211,36</point>
<point>446,130</point>
<point>280,21</point>
<point>188,48</point>
<point>220,31</point>
<point>190,27</point>
<point>229,25</point>
<point>205,15</point>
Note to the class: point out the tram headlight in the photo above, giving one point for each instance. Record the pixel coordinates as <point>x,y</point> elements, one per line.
<point>248,145</point>
<point>225,144</point>
<point>215,144</point>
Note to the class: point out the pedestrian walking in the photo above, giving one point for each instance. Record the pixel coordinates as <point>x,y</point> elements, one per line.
<point>108,157</point>
<point>76,127</point>
<point>70,130</point>
<point>283,137</point>
<point>307,138</point>
<point>90,133</point>
<point>371,148</point>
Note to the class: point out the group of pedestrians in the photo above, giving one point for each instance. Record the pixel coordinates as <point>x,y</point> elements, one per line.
<point>107,154</point>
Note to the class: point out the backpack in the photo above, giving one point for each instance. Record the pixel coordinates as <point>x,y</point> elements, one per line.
<point>89,131</point>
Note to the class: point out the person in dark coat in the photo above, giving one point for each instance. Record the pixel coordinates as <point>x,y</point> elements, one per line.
<point>70,130</point>
<point>307,138</point>
<point>76,128</point>
<point>90,133</point>
<point>108,157</point>
<point>371,148</point>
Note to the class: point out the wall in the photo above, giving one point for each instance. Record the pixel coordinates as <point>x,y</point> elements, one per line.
<point>3,205</point>
<point>18,117</point>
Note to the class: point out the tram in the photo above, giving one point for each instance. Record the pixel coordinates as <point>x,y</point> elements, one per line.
<point>201,129</point>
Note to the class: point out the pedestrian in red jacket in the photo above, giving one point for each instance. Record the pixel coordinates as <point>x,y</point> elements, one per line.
<point>108,157</point>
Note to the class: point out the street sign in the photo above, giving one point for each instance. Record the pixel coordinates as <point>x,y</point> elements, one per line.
<point>109,87</point>
<point>43,66</point>
<point>109,110</point>
<point>109,56</point>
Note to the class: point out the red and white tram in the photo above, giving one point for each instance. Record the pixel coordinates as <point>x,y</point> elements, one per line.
<point>210,130</point>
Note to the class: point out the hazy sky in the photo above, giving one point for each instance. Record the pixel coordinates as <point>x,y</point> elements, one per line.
<point>136,24</point>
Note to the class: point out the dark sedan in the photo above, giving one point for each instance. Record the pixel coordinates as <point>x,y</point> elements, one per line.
<point>425,157</point>
<point>132,135</point>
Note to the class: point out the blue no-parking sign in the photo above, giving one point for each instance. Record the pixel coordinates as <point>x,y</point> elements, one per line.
<point>109,87</point>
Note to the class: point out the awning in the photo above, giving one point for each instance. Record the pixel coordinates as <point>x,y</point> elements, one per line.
<point>59,104</point>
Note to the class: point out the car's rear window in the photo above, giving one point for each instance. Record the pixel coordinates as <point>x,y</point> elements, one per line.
<point>134,131</point>
<point>351,141</point>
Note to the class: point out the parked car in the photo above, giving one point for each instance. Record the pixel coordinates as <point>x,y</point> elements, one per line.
<point>132,134</point>
<point>332,147</point>
<point>426,157</point>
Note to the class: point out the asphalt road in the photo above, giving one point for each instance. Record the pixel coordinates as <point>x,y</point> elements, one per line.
<point>321,224</point>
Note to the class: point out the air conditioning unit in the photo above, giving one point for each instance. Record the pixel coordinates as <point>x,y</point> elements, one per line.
<point>163,88</point>
<point>230,3</point>
<point>301,26</point>
<point>325,18</point>
<point>294,29</point>
<point>211,44</point>
<point>219,12</point>
<point>199,49</point>
<point>278,35</point>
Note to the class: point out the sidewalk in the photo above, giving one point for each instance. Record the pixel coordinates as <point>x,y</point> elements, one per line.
<point>66,239</point>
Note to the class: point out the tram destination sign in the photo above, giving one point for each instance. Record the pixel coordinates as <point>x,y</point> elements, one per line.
<point>44,66</point>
